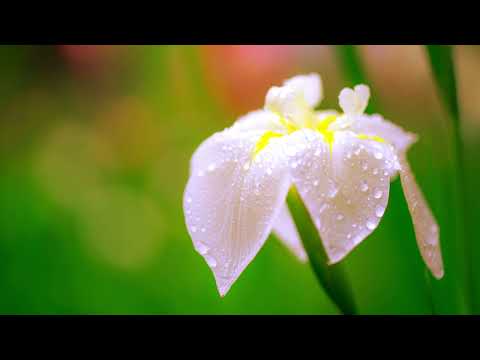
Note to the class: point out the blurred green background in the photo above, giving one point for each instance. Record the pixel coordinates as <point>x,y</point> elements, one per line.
<point>95,143</point>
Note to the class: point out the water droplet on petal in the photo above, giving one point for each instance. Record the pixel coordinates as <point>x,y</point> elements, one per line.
<point>194,229</point>
<point>378,194</point>
<point>379,211</point>
<point>211,261</point>
<point>363,186</point>
<point>322,208</point>
<point>378,155</point>
<point>340,217</point>
<point>246,166</point>
<point>211,167</point>
<point>202,248</point>
<point>371,225</point>
<point>333,192</point>
<point>189,200</point>
<point>315,183</point>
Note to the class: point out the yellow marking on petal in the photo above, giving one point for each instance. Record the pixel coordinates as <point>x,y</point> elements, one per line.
<point>322,128</point>
<point>371,137</point>
<point>264,140</point>
<point>287,124</point>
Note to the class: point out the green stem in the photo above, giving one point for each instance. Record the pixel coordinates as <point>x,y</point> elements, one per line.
<point>331,277</point>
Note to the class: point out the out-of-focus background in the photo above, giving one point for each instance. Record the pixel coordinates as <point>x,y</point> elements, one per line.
<point>95,144</point>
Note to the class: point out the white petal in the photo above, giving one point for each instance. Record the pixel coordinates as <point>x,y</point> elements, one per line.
<point>231,202</point>
<point>309,85</point>
<point>258,120</point>
<point>346,190</point>
<point>285,229</point>
<point>378,126</point>
<point>354,101</point>
<point>425,226</point>
<point>296,98</point>
<point>285,101</point>
<point>363,95</point>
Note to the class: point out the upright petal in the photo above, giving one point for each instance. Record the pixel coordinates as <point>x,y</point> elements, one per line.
<point>354,101</point>
<point>345,189</point>
<point>296,98</point>
<point>258,120</point>
<point>309,85</point>
<point>424,224</point>
<point>232,200</point>
<point>285,229</point>
<point>376,125</point>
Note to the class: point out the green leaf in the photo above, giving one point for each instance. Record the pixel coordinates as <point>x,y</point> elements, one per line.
<point>441,62</point>
<point>443,71</point>
<point>331,277</point>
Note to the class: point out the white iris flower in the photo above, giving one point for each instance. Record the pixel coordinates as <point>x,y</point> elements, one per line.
<point>340,163</point>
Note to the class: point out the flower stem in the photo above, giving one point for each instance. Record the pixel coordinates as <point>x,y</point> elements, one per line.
<point>331,277</point>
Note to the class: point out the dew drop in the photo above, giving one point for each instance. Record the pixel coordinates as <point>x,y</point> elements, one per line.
<point>363,186</point>
<point>371,225</point>
<point>322,208</point>
<point>194,229</point>
<point>211,167</point>
<point>211,261</point>
<point>379,211</point>
<point>375,171</point>
<point>333,192</point>
<point>189,200</point>
<point>315,183</point>
<point>378,155</point>
<point>378,194</point>
<point>364,165</point>
<point>202,248</point>
<point>340,217</point>
<point>246,166</point>
<point>203,230</point>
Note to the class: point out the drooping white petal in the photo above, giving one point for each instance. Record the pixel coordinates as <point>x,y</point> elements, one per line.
<point>376,125</point>
<point>258,120</point>
<point>231,202</point>
<point>425,226</point>
<point>346,189</point>
<point>309,85</point>
<point>285,229</point>
<point>354,101</point>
